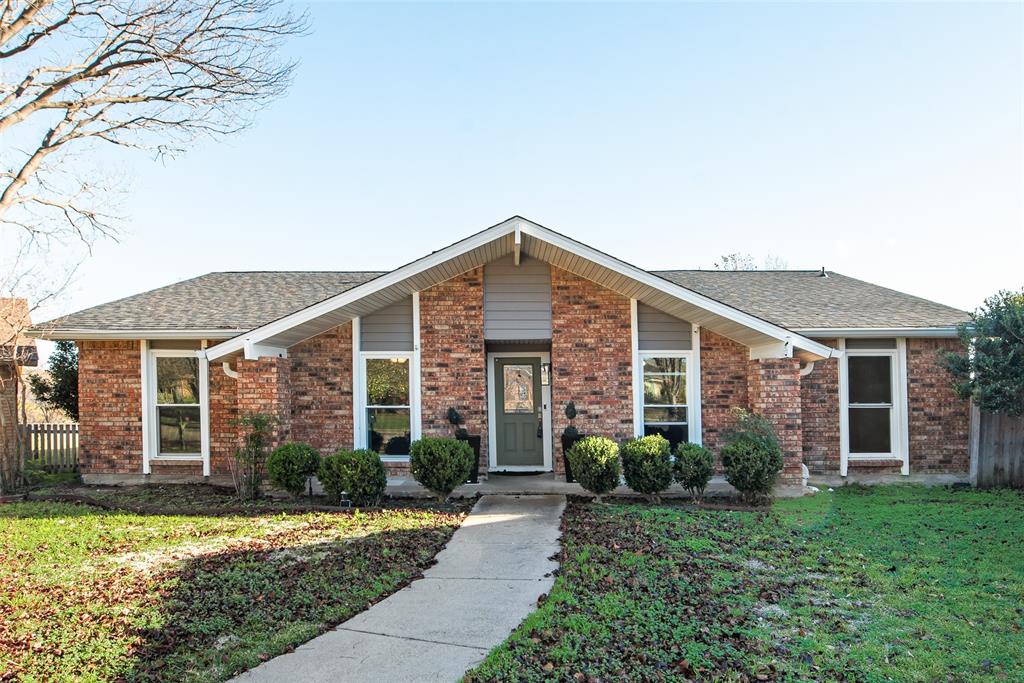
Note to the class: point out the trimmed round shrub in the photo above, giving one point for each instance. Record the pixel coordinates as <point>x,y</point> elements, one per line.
<point>694,467</point>
<point>595,464</point>
<point>647,464</point>
<point>358,473</point>
<point>291,465</point>
<point>440,464</point>
<point>752,466</point>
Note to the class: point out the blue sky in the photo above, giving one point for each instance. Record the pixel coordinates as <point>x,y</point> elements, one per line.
<point>883,141</point>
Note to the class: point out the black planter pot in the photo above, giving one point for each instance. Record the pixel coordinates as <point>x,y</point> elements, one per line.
<point>567,443</point>
<point>474,443</point>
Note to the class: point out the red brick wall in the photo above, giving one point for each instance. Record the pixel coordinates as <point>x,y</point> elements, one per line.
<point>110,407</point>
<point>223,412</point>
<point>321,400</point>
<point>453,359</point>
<point>774,388</point>
<point>939,422</point>
<point>819,394</point>
<point>591,359</point>
<point>723,369</point>
<point>264,386</point>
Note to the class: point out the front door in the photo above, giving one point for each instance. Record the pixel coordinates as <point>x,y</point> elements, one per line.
<point>519,412</point>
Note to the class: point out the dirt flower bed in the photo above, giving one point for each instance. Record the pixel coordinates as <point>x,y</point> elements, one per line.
<point>95,594</point>
<point>886,584</point>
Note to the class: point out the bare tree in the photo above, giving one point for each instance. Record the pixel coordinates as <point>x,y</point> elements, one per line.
<point>28,281</point>
<point>145,74</point>
<point>740,261</point>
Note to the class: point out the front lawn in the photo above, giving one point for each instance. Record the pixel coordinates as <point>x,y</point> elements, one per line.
<point>99,595</point>
<point>896,583</point>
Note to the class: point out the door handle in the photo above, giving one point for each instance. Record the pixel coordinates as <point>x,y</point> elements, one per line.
<point>540,423</point>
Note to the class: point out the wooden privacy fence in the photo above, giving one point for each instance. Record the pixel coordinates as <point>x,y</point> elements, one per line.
<point>997,450</point>
<point>54,447</point>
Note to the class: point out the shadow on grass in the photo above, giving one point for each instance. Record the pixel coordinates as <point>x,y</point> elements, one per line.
<point>223,613</point>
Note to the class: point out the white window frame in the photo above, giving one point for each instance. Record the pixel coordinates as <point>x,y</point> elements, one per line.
<point>150,423</point>
<point>898,416</point>
<point>692,393</point>
<point>359,399</point>
<point>694,422</point>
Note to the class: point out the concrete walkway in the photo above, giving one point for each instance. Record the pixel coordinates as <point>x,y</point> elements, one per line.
<point>486,580</point>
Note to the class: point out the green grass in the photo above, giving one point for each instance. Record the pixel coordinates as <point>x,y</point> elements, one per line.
<point>897,583</point>
<point>95,595</point>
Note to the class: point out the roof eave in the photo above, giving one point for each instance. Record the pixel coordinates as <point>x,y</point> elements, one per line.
<point>90,334</point>
<point>943,331</point>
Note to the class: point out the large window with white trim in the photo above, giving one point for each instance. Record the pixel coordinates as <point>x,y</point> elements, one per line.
<point>388,401</point>
<point>665,396</point>
<point>176,404</point>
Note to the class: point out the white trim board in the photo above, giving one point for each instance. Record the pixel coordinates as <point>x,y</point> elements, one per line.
<point>150,427</point>
<point>163,335</point>
<point>899,438</point>
<point>858,332</point>
<point>253,339</point>
<point>545,397</point>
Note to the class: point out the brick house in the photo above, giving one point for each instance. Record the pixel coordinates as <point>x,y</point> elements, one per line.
<point>507,326</point>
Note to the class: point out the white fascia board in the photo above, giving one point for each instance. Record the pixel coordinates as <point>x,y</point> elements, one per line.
<point>946,332</point>
<point>258,334</point>
<point>91,334</point>
<point>672,289</point>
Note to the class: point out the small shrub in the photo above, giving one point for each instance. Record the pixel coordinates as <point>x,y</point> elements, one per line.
<point>694,467</point>
<point>751,456</point>
<point>248,464</point>
<point>291,465</point>
<point>595,464</point>
<point>358,473</point>
<point>440,464</point>
<point>647,465</point>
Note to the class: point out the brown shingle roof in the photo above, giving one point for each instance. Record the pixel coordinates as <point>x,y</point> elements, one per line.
<point>803,299</point>
<point>236,301</point>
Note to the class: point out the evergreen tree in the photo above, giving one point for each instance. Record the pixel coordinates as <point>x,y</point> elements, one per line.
<point>60,389</point>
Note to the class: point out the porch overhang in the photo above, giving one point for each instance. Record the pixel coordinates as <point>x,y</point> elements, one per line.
<point>519,236</point>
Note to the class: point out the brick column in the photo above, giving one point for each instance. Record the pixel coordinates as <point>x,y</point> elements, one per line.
<point>264,386</point>
<point>453,357</point>
<point>773,387</point>
<point>591,359</point>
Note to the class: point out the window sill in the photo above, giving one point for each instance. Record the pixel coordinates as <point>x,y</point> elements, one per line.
<point>174,458</point>
<point>394,458</point>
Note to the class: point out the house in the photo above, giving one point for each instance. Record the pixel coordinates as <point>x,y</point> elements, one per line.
<point>508,326</point>
<point>16,350</point>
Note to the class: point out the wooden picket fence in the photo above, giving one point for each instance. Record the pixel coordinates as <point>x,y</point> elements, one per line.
<point>997,450</point>
<point>53,446</point>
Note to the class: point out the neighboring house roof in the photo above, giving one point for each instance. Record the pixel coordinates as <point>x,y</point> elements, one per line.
<point>804,300</point>
<point>15,320</point>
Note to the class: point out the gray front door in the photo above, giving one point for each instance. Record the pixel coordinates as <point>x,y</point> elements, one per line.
<point>518,416</point>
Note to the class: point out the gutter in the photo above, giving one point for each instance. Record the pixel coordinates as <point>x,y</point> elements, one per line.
<point>944,332</point>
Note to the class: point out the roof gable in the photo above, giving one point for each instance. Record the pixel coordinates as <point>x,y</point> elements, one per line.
<point>518,235</point>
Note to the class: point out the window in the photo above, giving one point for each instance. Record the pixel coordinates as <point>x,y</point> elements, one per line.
<point>518,389</point>
<point>872,384</point>
<point>665,404</point>
<point>388,407</point>
<point>176,402</point>
<point>870,403</point>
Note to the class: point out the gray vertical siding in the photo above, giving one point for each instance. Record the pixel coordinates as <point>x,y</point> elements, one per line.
<point>517,299</point>
<point>389,329</point>
<point>659,331</point>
